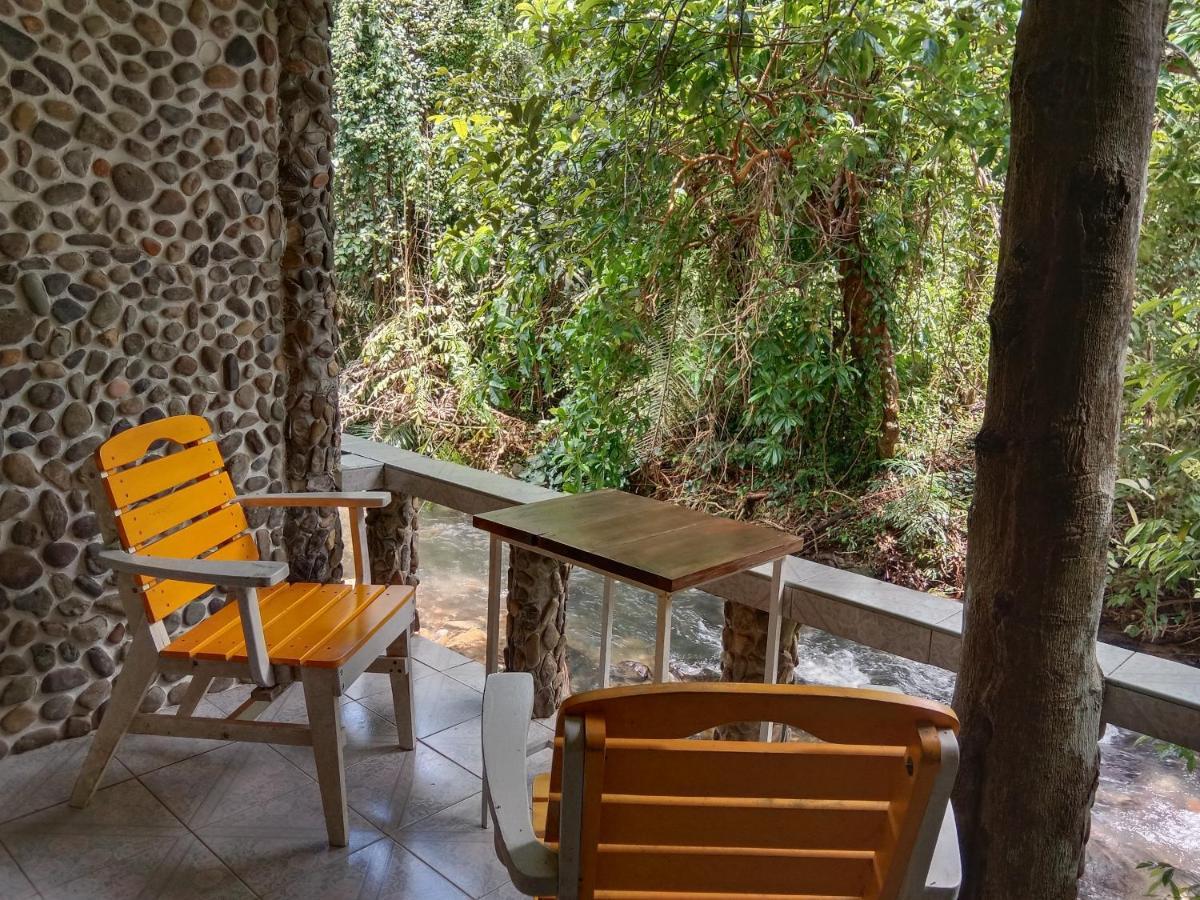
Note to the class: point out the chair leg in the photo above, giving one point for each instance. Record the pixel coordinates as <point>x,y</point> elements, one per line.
<point>195,692</point>
<point>141,665</point>
<point>325,720</point>
<point>402,693</point>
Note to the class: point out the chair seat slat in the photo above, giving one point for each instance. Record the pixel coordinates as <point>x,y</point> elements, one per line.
<point>319,629</point>
<point>342,643</point>
<point>300,604</point>
<point>309,625</point>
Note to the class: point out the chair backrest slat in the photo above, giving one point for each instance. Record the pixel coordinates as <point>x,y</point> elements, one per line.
<point>131,486</point>
<point>733,769</point>
<point>719,870</point>
<point>166,595</point>
<point>672,816</point>
<point>139,524</point>
<point>130,446</point>
<point>180,505</point>
<point>762,822</point>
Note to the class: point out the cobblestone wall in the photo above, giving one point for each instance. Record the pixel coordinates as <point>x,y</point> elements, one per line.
<point>140,238</point>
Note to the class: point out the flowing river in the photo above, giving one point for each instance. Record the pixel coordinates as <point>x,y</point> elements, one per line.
<point>1147,807</point>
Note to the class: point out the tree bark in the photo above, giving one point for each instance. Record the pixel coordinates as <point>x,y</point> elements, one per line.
<point>537,626</point>
<point>312,536</point>
<point>866,319</point>
<point>744,656</point>
<point>392,543</point>
<point>1029,691</point>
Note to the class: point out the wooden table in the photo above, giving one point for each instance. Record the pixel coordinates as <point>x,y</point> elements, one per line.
<point>657,546</point>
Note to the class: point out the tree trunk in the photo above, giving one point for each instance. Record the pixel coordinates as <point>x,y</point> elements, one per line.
<point>537,626</point>
<point>866,319</point>
<point>392,543</point>
<point>744,656</point>
<point>312,536</point>
<point>1029,692</point>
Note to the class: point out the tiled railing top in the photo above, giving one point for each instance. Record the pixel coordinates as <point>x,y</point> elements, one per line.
<point>1144,693</point>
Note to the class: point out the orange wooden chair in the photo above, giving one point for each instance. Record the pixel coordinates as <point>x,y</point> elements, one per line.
<point>633,808</point>
<point>183,531</point>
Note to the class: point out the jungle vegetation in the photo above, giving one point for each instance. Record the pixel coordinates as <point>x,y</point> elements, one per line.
<point>741,255</point>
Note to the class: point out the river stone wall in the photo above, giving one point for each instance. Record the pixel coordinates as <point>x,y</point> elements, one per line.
<point>140,234</point>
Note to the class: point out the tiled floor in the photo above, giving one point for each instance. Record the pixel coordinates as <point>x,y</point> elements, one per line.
<point>193,819</point>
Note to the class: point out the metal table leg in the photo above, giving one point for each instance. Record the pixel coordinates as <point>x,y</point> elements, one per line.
<point>662,642</point>
<point>492,663</point>
<point>606,622</point>
<point>774,622</point>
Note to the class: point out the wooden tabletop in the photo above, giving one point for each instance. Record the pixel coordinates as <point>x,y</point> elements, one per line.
<point>659,545</point>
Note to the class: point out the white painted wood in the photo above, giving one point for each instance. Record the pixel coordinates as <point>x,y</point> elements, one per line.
<point>136,675</point>
<point>358,542</point>
<point>570,820</point>
<point>495,553</point>
<point>933,868</point>
<point>446,483</point>
<point>230,729</point>
<point>774,624</point>
<point>507,706</point>
<point>356,499</point>
<point>252,631</point>
<point>232,573</point>
<point>324,718</point>
<point>908,623</point>
<point>945,871</point>
<point>377,646</point>
<point>195,692</point>
<point>402,691</point>
<point>662,640</point>
<point>389,665</point>
<point>215,668</point>
<point>606,624</point>
<point>260,700</point>
<point>492,654</point>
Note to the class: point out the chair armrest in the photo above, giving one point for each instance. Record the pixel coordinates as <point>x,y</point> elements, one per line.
<point>507,706</point>
<point>226,573</point>
<point>351,499</point>
<point>945,869</point>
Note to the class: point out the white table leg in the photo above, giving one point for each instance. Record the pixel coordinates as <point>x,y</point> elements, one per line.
<point>495,557</point>
<point>495,551</point>
<point>606,622</point>
<point>662,643</point>
<point>774,622</point>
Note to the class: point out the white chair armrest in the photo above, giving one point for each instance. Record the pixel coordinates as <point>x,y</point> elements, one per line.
<point>507,706</point>
<point>226,573</point>
<point>945,869</point>
<point>350,499</point>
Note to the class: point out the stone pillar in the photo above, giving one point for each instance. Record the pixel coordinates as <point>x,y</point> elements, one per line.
<point>312,536</point>
<point>744,654</point>
<point>537,626</point>
<point>392,541</point>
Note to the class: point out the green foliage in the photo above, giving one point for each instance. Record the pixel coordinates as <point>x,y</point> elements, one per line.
<point>1163,884</point>
<point>635,167</point>
<point>709,250</point>
<point>1155,585</point>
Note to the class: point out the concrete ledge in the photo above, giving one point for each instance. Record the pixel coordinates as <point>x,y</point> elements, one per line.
<point>448,484</point>
<point>1143,693</point>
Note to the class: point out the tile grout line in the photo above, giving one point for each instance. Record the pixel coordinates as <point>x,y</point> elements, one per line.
<point>203,843</point>
<point>17,863</point>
